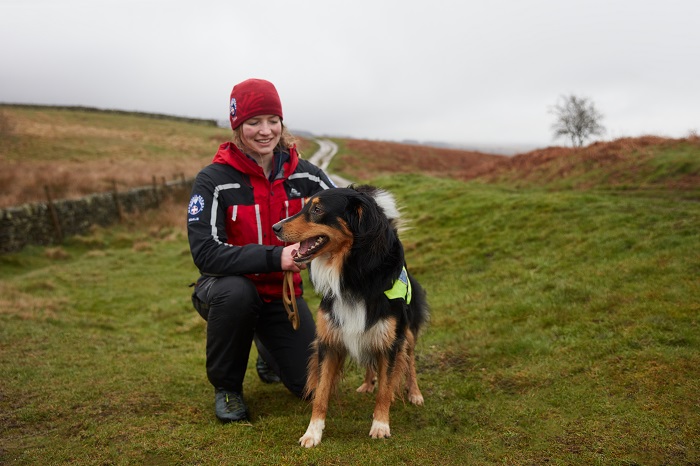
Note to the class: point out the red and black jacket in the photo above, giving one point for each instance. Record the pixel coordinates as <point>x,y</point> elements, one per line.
<point>233,207</point>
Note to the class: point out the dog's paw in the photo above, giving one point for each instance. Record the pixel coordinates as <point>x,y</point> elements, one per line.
<point>416,398</point>
<point>308,441</point>
<point>366,388</point>
<point>379,430</point>
<point>313,434</point>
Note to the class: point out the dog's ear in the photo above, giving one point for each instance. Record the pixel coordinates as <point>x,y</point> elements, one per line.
<point>359,211</point>
<point>371,227</point>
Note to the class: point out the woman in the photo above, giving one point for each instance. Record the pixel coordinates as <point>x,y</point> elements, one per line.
<point>253,182</point>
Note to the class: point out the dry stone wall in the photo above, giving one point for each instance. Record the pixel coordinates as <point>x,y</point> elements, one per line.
<point>47,223</point>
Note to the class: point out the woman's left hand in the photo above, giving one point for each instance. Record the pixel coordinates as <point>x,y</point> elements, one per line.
<point>288,259</point>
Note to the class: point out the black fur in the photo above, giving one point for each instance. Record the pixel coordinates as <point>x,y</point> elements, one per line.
<point>377,256</point>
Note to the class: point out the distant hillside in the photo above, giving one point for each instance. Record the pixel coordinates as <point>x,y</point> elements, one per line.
<point>77,151</point>
<point>645,163</point>
<point>362,160</point>
<point>79,108</point>
<point>629,163</point>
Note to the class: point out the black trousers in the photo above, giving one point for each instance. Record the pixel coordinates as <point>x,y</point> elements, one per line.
<point>236,316</point>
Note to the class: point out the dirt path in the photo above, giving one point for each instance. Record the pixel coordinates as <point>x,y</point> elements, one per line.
<point>323,156</point>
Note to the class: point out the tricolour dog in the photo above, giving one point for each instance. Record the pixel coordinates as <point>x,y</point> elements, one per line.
<point>371,307</point>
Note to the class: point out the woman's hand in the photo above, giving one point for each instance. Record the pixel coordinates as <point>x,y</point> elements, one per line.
<point>288,259</point>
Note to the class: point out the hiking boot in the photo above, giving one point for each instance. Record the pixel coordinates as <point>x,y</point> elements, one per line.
<point>230,406</point>
<point>265,372</point>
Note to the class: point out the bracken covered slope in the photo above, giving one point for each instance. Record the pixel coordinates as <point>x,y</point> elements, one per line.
<point>647,162</point>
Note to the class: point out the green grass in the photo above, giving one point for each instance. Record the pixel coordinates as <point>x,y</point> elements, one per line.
<point>671,162</point>
<point>564,330</point>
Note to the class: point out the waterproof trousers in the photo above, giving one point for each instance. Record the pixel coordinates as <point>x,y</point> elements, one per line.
<point>236,316</point>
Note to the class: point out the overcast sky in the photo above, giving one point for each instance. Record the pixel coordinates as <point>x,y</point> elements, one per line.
<point>431,70</point>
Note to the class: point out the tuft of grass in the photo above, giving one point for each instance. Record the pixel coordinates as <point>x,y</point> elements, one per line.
<point>564,330</point>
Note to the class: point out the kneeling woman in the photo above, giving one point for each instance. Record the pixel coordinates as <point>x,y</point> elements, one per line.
<point>253,183</point>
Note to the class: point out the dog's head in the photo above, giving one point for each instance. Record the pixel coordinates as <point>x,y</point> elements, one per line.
<point>335,221</point>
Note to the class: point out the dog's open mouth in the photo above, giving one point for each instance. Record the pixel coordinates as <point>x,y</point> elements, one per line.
<point>308,248</point>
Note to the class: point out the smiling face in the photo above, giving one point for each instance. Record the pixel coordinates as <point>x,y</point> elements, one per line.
<point>262,133</point>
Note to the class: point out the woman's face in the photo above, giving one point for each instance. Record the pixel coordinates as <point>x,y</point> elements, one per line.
<point>262,133</point>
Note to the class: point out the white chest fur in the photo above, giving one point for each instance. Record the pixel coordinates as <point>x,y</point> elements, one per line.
<point>349,315</point>
<point>349,320</point>
<point>325,277</point>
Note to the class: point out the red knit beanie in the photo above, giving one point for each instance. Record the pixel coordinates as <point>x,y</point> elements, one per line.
<point>251,98</point>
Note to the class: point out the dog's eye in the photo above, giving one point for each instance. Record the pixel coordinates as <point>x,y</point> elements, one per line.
<point>316,210</point>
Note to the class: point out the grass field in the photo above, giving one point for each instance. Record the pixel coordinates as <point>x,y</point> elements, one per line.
<point>564,330</point>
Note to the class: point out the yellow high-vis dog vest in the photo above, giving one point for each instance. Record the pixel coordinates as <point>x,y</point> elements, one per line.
<point>401,288</point>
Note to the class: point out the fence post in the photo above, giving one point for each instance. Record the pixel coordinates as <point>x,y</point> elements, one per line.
<point>117,205</point>
<point>54,215</point>
<point>155,191</point>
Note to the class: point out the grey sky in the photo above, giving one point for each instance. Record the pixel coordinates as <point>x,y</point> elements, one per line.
<point>456,71</point>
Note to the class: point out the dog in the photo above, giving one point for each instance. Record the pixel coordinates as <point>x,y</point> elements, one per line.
<point>371,308</point>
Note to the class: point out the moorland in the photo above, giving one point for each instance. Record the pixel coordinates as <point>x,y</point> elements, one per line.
<point>563,286</point>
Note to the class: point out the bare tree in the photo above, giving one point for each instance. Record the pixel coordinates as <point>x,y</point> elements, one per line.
<point>577,118</point>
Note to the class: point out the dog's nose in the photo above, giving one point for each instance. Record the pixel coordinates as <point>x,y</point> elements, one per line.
<point>277,227</point>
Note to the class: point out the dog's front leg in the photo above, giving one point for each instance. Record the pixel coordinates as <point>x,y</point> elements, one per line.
<point>330,364</point>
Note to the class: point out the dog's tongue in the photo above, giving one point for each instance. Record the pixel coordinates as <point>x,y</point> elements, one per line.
<point>305,245</point>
